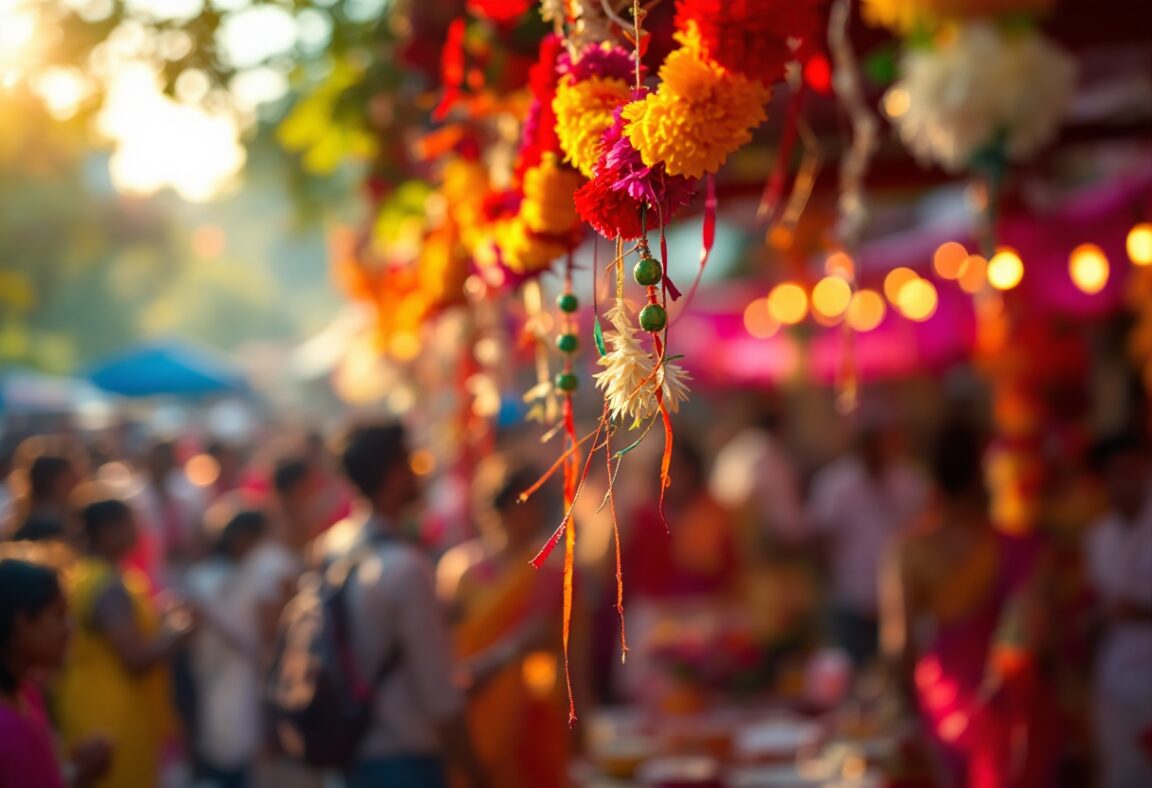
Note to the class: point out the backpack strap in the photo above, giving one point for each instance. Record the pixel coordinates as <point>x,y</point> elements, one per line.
<point>341,614</point>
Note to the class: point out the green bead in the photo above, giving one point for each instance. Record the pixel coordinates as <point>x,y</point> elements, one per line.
<point>566,381</point>
<point>567,343</point>
<point>653,318</point>
<point>567,302</point>
<point>647,271</point>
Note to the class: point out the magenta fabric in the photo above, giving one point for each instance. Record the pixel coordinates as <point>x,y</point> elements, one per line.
<point>27,753</point>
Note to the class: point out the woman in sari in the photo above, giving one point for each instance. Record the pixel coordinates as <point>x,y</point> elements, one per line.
<point>954,622</point>
<point>506,615</point>
<point>114,681</point>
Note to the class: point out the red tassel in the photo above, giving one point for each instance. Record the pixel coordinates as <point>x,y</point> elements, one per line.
<point>774,189</point>
<point>451,68</point>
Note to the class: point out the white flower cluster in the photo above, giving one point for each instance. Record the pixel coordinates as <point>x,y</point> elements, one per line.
<point>628,381</point>
<point>981,84</point>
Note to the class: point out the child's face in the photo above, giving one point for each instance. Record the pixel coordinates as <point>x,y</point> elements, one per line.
<point>42,638</point>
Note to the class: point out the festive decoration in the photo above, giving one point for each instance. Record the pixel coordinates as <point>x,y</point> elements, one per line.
<point>699,115</point>
<point>908,16</point>
<point>583,113</point>
<point>980,87</point>
<point>630,376</point>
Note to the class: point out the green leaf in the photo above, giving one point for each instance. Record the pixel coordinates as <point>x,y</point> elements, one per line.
<point>598,335</point>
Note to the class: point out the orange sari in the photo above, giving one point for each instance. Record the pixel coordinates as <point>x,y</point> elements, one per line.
<point>518,718</point>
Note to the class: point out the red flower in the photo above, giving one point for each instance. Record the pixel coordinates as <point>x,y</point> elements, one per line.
<point>611,212</point>
<point>502,11</point>
<point>751,36</point>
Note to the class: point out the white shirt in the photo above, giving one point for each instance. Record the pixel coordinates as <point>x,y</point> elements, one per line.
<point>393,605</point>
<point>753,467</point>
<point>1119,557</point>
<point>861,515</point>
<point>226,658</point>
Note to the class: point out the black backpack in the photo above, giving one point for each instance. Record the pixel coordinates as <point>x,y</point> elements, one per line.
<point>319,709</point>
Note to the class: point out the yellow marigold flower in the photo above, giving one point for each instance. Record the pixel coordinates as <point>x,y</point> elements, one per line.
<point>583,113</point>
<point>548,206</point>
<point>905,16</point>
<point>698,116</point>
<point>522,251</point>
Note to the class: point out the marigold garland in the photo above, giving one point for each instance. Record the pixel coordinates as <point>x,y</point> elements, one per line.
<point>699,115</point>
<point>548,191</point>
<point>750,37</point>
<point>583,113</point>
<point>906,16</point>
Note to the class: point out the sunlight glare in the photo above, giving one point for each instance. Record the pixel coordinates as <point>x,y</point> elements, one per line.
<point>160,142</point>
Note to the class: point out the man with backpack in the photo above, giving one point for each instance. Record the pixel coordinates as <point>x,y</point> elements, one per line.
<point>380,700</point>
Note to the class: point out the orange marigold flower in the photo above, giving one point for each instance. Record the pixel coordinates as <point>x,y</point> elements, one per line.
<point>548,190</point>
<point>583,113</point>
<point>524,252</point>
<point>698,116</point>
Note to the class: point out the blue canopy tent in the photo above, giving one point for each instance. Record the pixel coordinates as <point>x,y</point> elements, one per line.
<point>170,369</point>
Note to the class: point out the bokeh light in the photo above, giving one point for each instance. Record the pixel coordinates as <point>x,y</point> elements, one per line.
<point>895,280</point>
<point>973,274</point>
<point>788,303</point>
<point>840,264</point>
<point>866,310</point>
<point>1005,269</point>
<point>758,321</point>
<point>1088,267</point>
<point>917,300</point>
<point>896,102</point>
<point>1139,244</point>
<point>949,260</point>
<point>422,462</point>
<point>202,470</point>
<point>831,296</point>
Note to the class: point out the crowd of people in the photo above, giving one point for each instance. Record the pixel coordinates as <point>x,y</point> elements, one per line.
<point>155,619</point>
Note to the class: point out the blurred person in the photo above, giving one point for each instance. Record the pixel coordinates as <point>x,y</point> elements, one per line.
<point>230,462</point>
<point>1119,562</point>
<point>114,680</point>
<point>694,555</point>
<point>170,509</point>
<point>226,652</point>
<point>418,724</point>
<point>42,513</point>
<point>34,632</point>
<point>506,613</point>
<point>858,506</point>
<point>754,474</point>
<point>952,591</point>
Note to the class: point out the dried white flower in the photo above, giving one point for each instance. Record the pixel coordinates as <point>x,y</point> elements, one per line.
<point>982,84</point>
<point>630,376</point>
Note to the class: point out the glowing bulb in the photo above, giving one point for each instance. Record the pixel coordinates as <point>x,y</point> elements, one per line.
<point>839,264</point>
<point>896,102</point>
<point>1140,244</point>
<point>866,310</point>
<point>1005,269</point>
<point>917,300</point>
<point>202,470</point>
<point>758,321</point>
<point>788,303</point>
<point>949,260</point>
<point>895,280</point>
<point>972,274</point>
<point>1089,268</point>
<point>831,296</point>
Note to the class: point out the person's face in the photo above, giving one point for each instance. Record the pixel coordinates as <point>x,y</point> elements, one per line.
<point>1126,477</point>
<point>119,538</point>
<point>42,638</point>
<point>521,521</point>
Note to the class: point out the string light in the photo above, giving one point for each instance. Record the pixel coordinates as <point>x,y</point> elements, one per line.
<point>840,264</point>
<point>758,321</point>
<point>918,300</point>
<point>1005,269</point>
<point>788,303</point>
<point>1140,244</point>
<point>949,260</point>
<point>831,296</point>
<point>972,274</point>
<point>895,281</point>
<point>1088,267</point>
<point>866,310</point>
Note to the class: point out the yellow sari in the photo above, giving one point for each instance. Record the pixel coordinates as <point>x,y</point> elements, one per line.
<point>518,718</point>
<point>98,695</point>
